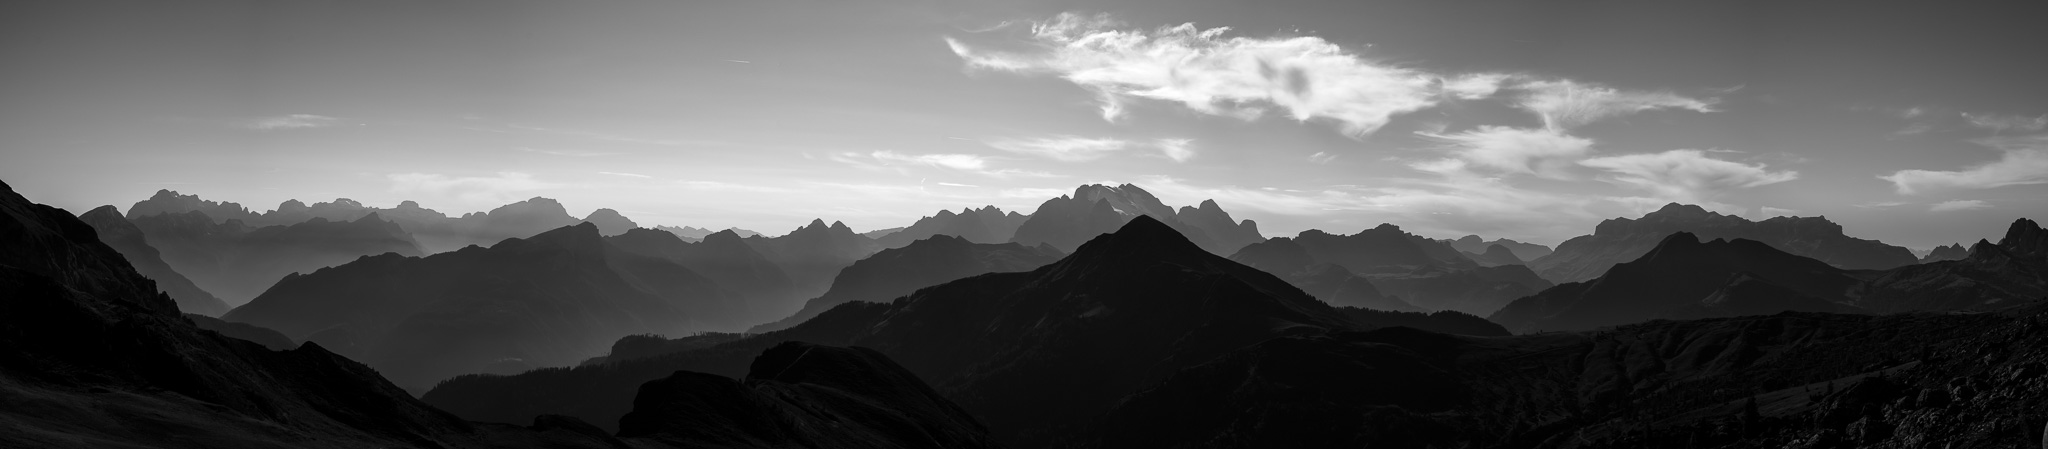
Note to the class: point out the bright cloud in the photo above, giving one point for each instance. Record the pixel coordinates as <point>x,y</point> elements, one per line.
<point>1176,149</point>
<point>2025,161</point>
<point>1063,148</point>
<point>291,121</point>
<point>1567,104</point>
<point>1545,153</point>
<point>1685,175</point>
<point>1321,158</point>
<point>1956,205</point>
<point>1308,77</point>
<point>504,187</point>
<point>954,161</point>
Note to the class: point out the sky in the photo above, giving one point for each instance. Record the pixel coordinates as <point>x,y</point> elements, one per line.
<point>1918,123</point>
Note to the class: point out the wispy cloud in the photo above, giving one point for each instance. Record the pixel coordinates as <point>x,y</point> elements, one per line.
<point>1063,148</point>
<point>570,153</point>
<point>1956,205</point>
<point>2025,161</point>
<point>1546,153</point>
<point>891,160</point>
<point>1685,175</point>
<point>1566,104</point>
<point>1768,212</point>
<point>628,175</point>
<point>967,162</point>
<point>1882,204</point>
<point>1321,158</point>
<point>1180,150</point>
<point>2002,123</point>
<point>500,188</point>
<point>950,184</point>
<point>291,121</point>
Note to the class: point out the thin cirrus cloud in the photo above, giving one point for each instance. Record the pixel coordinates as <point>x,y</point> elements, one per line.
<point>500,188</point>
<point>891,160</point>
<point>1321,158</point>
<point>1180,150</point>
<point>290,121</point>
<point>2002,123</point>
<point>1063,148</point>
<point>2024,161</point>
<point>625,175</point>
<point>1958,205</point>
<point>1546,153</point>
<point>1685,175</point>
<point>1566,104</point>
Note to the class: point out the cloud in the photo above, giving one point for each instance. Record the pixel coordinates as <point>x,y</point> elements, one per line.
<point>569,153</point>
<point>1685,175</point>
<point>1768,212</point>
<point>501,188</point>
<point>1321,158</point>
<point>1882,204</point>
<point>1566,104</point>
<point>949,184</point>
<point>292,121</point>
<point>967,162</point>
<point>1474,86</point>
<point>2025,161</point>
<point>1308,77</point>
<point>629,175</point>
<point>1063,148</point>
<point>1546,153</point>
<point>1958,205</point>
<point>1176,149</point>
<point>2003,123</point>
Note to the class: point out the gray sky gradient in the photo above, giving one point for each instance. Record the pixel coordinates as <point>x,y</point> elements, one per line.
<point>1916,123</point>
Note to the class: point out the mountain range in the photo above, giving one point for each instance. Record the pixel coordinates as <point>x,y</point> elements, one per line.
<point>985,225</point>
<point>1621,239</point>
<point>1069,220</point>
<point>1473,244</point>
<point>124,237</point>
<point>897,272</point>
<point>1422,273</point>
<point>237,262</point>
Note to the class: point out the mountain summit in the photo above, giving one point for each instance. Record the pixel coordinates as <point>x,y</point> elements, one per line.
<point>1621,239</point>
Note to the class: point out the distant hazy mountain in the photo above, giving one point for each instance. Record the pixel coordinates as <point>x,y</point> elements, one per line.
<point>1044,349</point>
<point>1477,245</point>
<point>111,362</point>
<point>688,233</point>
<point>1620,240</point>
<point>170,202</point>
<point>1684,273</point>
<point>1067,221</point>
<point>985,225</point>
<point>2013,271</point>
<point>549,300</point>
<point>896,272</point>
<point>236,262</point>
<point>1495,255</point>
<point>1422,272</point>
<point>879,233</point>
<point>811,256</point>
<point>760,288</point>
<point>803,395</point>
<point>1329,282</point>
<point>123,236</point>
<point>1950,252</point>
<point>434,231</point>
<point>609,222</point>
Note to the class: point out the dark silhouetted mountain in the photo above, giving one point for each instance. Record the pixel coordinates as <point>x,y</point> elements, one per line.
<point>803,395</point>
<point>1745,294</point>
<point>1621,240</point>
<point>1474,244</point>
<point>811,256</point>
<point>1095,209</point>
<point>236,262</point>
<point>549,300</point>
<point>1495,255</point>
<point>94,356</point>
<point>1427,274</point>
<point>1950,252</point>
<point>274,340</point>
<point>744,276</point>
<point>1331,283</point>
<point>609,222</point>
<point>879,233</point>
<point>985,225</point>
<point>896,272</point>
<point>170,202</point>
<point>687,233</point>
<point>1992,276</point>
<point>1030,353</point>
<point>123,236</point>
<point>1683,272</point>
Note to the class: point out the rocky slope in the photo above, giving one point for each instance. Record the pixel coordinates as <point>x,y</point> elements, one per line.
<point>124,237</point>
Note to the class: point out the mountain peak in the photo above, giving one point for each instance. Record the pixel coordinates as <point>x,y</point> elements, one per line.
<point>2025,237</point>
<point>1681,209</point>
<point>107,210</point>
